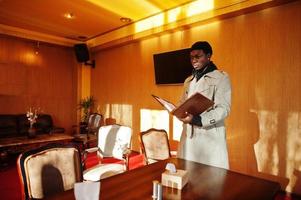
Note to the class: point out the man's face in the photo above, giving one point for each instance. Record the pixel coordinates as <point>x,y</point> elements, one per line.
<point>199,59</point>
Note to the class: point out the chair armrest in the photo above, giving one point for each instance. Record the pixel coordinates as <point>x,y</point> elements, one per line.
<point>126,157</point>
<point>91,150</point>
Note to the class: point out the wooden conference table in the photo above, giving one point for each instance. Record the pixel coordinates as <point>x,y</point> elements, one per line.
<point>205,182</point>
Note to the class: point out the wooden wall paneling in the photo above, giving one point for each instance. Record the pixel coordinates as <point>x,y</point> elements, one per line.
<point>46,80</point>
<point>261,53</point>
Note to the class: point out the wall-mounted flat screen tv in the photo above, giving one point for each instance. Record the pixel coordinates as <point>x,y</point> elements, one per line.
<point>172,67</point>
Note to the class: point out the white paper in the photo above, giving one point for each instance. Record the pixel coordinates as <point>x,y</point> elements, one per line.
<point>87,190</point>
<point>168,106</point>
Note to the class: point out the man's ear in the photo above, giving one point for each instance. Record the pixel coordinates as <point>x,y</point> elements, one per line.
<point>208,55</point>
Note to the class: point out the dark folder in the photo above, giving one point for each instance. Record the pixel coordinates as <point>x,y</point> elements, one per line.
<point>195,105</point>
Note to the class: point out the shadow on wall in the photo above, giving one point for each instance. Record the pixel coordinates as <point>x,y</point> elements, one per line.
<point>254,141</point>
<point>278,149</point>
<point>253,133</point>
<point>255,149</point>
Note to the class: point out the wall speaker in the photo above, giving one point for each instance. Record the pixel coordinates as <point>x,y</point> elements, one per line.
<point>81,52</point>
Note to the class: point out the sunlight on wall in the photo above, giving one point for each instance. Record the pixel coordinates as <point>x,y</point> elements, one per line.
<point>172,15</point>
<point>177,129</point>
<point>158,119</point>
<point>198,7</point>
<point>122,113</point>
<point>180,12</point>
<point>266,148</point>
<point>293,149</point>
<point>149,23</point>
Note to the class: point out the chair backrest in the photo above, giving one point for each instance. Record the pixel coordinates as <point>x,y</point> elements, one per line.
<point>113,139</point>
<point>155,145</point>
<point>94,123</point>
<point>48,170</point>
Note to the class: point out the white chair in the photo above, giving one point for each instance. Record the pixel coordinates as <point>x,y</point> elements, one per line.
<point>113,141</point>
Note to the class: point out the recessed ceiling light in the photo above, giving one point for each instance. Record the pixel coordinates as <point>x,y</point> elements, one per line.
<point>125,19</point>
<point>69,15</point>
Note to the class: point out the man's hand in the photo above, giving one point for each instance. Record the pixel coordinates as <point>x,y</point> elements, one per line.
<point>187,119</point>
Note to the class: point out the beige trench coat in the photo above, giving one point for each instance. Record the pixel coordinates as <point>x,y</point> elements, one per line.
<point>207,144</point>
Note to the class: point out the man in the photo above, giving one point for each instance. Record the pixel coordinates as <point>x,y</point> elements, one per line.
<point>204,137</point>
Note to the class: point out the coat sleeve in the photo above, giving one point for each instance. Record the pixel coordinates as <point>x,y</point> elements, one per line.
<point>222,103</point>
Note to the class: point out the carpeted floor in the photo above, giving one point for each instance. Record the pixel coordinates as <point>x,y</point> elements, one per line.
<point>9,182</point>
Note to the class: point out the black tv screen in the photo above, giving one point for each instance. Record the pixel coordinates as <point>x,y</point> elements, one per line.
<point>172,67</point>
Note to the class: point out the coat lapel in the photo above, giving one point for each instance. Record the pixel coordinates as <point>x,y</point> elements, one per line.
<point>206,85</point>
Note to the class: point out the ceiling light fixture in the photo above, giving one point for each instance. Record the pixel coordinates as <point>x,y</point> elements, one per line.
<point>69,15</point>
<point>125,19</point>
